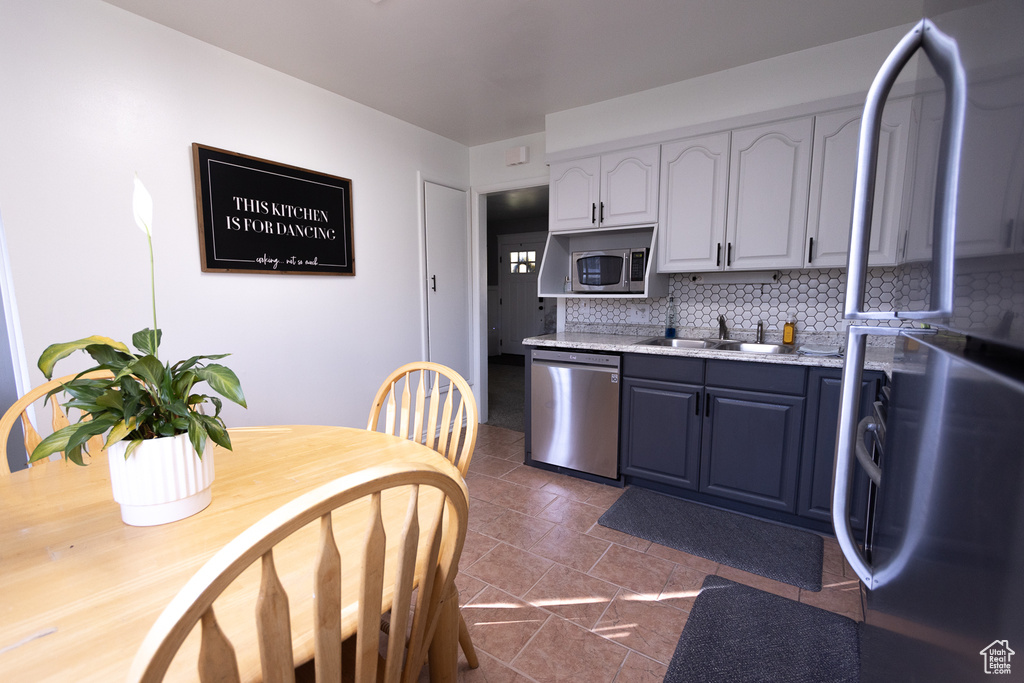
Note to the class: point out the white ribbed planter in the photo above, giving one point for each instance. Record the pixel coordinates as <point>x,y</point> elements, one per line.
<point>162,481</point>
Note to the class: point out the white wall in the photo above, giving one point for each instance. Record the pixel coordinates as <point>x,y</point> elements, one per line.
<point>92,94</point>
<point>487,162</point>
<point>841,68</point>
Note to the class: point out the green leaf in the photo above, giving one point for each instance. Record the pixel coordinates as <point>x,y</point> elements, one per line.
<point>85,389</point>
<point>143,341</point>
<point>183,365</point>
<point>224,382</point>
<point>182,384</point>
<point>88,429</point>
<point>54,443</point>
<point>111,398</point>
<point>215,428</point>
<point>149,369</point>
<point>132,446</point>
<point>54,352</point>
<point>119,431</point>
<point>178,408</point>
<point>108,357</point>
<point>75,455</point>
<point>197,434</point>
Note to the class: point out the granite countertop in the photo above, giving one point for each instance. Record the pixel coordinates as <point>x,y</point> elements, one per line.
<point>876,358</point>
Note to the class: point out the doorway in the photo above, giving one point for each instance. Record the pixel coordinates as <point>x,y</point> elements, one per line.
<point>516,230</point>
<point>522,312</point>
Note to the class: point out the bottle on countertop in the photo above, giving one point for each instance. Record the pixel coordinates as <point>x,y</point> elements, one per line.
<point>670,319</point>
<point>789,330</point>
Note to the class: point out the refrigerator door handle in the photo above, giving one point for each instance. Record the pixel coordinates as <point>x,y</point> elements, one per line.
<point>944,55</point>
<point>846,445</point>
<point>873,471</point>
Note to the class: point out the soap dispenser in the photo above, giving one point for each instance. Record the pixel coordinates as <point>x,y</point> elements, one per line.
<point>789,331</point>
<point>670,319</point>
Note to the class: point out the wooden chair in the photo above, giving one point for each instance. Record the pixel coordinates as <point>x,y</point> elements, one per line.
<point>427,566</point>
<point>58,417</point>
<point>440,428</point>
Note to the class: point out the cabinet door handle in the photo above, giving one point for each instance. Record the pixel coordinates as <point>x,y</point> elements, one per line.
<point>718,255</point>
<point>810,249</point>
<point>593,213</point>
<point>728,254</point>
<point>602,212</point>
<point>697,413</point>
<point>707,404</point>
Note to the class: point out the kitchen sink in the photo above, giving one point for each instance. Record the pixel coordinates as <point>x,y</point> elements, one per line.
<point>718,345</point>
<point>680,343</point>
<point>749,347</point>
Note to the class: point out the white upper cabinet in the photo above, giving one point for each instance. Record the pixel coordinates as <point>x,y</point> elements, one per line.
<point>694,194</point>
<point>833,174</point>
<point>769,174</point>
<point>990,197</point>
<point>991,187</point>
<point>615,189</point>
<point>573,194</point>
<point>629,187</point>
<point>927,123</point>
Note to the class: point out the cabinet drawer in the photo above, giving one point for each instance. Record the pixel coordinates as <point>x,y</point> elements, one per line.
<point>668,369</point>
<point>780,379</point>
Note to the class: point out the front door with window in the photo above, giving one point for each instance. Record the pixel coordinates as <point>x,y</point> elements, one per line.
<point>522,312</point>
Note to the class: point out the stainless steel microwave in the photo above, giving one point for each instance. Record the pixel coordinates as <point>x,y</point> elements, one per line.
<point>609,270</point>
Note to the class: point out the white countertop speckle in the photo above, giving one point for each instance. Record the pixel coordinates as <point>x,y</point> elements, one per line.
<point>877,358</point>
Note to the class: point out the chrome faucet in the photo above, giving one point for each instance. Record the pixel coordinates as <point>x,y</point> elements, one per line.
<point>723,331</point>
<point>760,332</point>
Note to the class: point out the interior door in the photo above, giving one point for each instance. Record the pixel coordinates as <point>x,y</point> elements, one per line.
<point>449,300</point>
<point>522,312</point>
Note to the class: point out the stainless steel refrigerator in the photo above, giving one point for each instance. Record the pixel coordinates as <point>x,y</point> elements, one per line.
<point>942,568</point>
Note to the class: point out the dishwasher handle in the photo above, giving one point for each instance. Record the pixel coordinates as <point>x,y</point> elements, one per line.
<point>576,359</point>
<point>584,367</point>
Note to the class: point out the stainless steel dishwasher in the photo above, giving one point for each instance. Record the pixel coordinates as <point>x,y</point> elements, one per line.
<point>574,411</point>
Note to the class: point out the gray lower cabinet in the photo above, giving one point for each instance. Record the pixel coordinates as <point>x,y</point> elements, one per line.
<point>753,418</point>
<point>755,437</point>
<point>727,429</point>
<point>751,447</point>
<point>660,428</point>
<point>660,419</point>
<point>823,392</point>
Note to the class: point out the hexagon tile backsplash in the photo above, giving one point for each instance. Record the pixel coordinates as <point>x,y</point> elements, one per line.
<point>811,298</point>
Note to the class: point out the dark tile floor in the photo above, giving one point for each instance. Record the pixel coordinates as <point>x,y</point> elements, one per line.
<point>549,595</point>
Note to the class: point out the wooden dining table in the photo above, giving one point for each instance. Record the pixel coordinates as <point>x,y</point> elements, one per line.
<point>79,589</point>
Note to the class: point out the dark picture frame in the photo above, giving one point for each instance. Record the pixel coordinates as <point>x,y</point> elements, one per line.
<point>259,216</point>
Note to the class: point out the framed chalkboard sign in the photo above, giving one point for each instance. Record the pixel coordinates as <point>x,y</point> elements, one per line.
<point>258,216</point>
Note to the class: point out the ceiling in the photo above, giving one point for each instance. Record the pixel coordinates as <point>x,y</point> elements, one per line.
<point>479,71</point>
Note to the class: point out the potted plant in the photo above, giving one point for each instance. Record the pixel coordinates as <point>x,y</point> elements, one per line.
<point>157,432</point>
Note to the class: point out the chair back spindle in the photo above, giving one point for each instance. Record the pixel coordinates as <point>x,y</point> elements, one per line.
<point>58,419</point>
<point>448,427</point>
<point>427,560</point>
